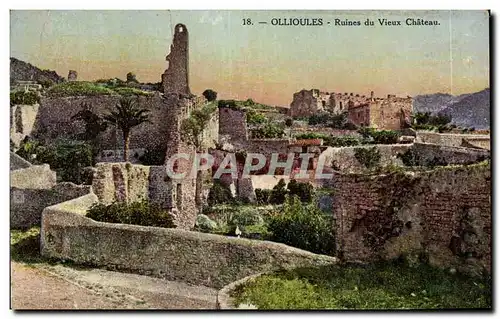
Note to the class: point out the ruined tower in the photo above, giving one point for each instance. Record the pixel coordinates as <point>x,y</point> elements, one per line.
<point>175,79</point>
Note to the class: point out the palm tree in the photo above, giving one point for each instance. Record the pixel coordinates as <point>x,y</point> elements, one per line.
<point>126,116</point>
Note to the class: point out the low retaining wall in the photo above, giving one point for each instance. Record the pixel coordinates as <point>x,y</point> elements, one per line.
<point>427,152</point>
<point>344,158</point>
<point>172,254</point>
<point>447,139</point>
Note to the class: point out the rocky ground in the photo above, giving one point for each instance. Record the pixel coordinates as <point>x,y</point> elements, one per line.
<point>44,286</point>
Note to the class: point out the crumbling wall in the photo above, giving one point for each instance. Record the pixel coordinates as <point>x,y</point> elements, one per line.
<point>305,103</point>
<point>344,159</point>
<point>233,126</point>
<point>443,214</point>
<point>176,76</point>
<point>124,182</point>
<point>54,120</point>
<point>391,113</point>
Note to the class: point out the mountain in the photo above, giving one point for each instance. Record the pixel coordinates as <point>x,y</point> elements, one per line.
<point>23,71</point>
<point>472,110</point>
<point>434,102</point>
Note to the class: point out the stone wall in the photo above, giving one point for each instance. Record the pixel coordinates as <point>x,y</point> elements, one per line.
<point>343,158</point>
<point>34,177</point>
<point>54,120</point>
<point>17,162</point>
<point>172,254</point>
<point>426,153</point>
<point>457,140</point>
<point>444,214</point>
<point>27,204</point>
<point>233,126</point>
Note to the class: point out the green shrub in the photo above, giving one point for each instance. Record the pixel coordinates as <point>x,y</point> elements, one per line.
<point>24,98</point>
<point>227,103</point>
<point>137,213</point>
<point>305,191</point>
<point>129,91</point>
<point>279,192</point>
<point>254,117</point>
<point>277,195</point>
<point>262,196</point>
<point>210,95</point>
<point>153,157</point>
<point>373,136</point>
<point>78,88</point>
<point>310,136</point>
<point>342,141</point>
<point>219,194</point>
<point>269,130</point>
<point>321,118</point>
<point>289,122</point>
<point>368,157</point>
<point>385,137</point>
<point>67,158</point>
<point>304,227</point>
<point>410,158</point>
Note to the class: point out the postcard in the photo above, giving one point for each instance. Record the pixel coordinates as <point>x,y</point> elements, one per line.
<point>250,160</point>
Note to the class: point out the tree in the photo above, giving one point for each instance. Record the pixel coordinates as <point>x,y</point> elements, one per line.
<point>192,133</point>
<point>94,124</point>
<point>131,78</point>
<point>126,116</point>
<point>210,95</point>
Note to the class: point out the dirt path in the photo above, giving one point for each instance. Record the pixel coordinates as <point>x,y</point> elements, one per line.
<point>60,287</point>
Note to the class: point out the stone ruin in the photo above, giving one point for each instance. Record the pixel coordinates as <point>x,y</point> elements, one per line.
<point>176,76</point>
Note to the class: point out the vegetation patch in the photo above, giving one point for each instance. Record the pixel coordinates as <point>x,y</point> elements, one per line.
<point>368,157</point>
<point>24,98</point>
<point>67,158</point>
<point>78,88</point>
<point>130,91</point>
<point>269,130</point>
<point>25,245</point>
<point>387,285</point>
<point>303,226</point>
<point>141,213</point>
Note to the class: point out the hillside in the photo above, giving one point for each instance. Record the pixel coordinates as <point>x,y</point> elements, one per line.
<point>23,71</point>
<point>473,110</point>
<point>434,102</point>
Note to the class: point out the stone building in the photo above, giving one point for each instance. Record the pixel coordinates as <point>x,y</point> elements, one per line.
<point>383,113</point>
